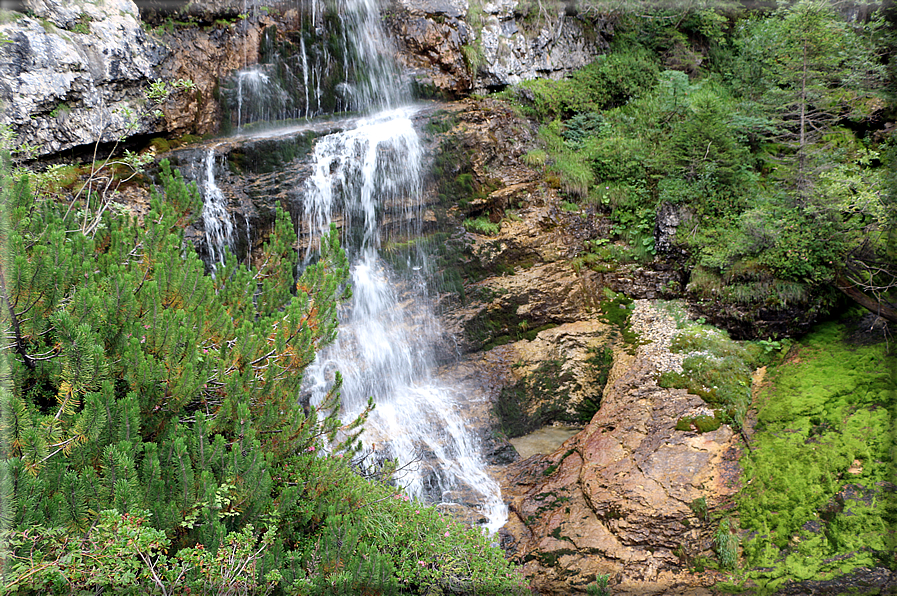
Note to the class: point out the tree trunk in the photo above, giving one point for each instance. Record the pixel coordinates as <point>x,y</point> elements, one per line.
<point>875,306</point>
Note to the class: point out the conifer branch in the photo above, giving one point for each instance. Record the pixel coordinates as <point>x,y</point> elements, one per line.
<point>14,320</point>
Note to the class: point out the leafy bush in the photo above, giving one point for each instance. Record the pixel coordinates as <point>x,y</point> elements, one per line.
<point>610,81</point>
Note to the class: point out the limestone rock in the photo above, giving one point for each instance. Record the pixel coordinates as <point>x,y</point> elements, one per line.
<point>554,45</point>
<point>455,51</point>
<point>204,57</point>
<point>669,218</point>
<point>74,75</point>
<point>432,36</point>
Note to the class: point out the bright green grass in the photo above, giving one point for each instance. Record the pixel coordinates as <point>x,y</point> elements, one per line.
<point>831,403</point>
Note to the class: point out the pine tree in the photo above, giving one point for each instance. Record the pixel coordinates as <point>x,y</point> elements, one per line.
<point>136,375</point>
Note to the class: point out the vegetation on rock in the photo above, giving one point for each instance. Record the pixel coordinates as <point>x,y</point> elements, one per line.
<point>766,143</point>
<point>819,494</point>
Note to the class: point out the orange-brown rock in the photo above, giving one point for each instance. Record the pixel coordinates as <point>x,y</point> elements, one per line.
<point>205,56</point>
<point>616,499</point>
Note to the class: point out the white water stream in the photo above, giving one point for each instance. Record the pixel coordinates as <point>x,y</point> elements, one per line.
<point>368,179</point>
<point>216,219</point>
<point>384,349</point>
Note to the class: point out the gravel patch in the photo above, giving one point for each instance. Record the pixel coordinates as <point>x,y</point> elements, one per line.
<point>656,328</point>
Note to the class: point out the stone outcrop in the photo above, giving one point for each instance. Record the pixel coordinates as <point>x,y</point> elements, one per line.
<point>455,46</point>
<point>520,43</point>
<point>432,36</point>
<point>205,56</point>
<point>76,73</point>
<point>73,74</point>
<point>620,498</point>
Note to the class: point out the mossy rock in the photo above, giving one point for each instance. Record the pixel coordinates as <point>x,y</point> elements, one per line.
<point>160,145</point>
<point>703,424</point>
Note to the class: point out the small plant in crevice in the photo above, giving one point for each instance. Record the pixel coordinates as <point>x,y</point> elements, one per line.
<point>599,588</point>
<point>725,544</point>
<point>699,508</point>
<point>481,225</point>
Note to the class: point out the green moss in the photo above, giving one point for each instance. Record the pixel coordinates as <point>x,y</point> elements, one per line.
<point>270,155</point>
<point>160,145</point>
<point>515,408</point>
<point>553,468</point>
<point>481,225</point>
<point>600,361</point>
<point>441,122</point>
<point>824,428</point>
<point>717,369</point>
<point>703,424</point>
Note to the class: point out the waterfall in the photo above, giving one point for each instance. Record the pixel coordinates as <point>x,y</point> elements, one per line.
<point>370,175</point>
<point>368,179</point>
<point>312,71</point>
<point>216,219</point>
<point>258,96</point>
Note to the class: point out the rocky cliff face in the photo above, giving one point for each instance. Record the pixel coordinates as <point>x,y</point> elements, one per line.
<point>628,495</point>
<point>73,74</point>
<point>76,73</point>
<point>526,42</point>
<point>459,46</point>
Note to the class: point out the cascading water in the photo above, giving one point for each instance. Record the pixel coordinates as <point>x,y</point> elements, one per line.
<point>338,60</point>
<point>368,179</point>
<point>369,175</point>
<point>258,97</point>
<point>215,218</point>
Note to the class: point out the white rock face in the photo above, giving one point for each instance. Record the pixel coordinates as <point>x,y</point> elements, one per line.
<point>75,73</point>
<point>554,45</point>
<point>510,42</point>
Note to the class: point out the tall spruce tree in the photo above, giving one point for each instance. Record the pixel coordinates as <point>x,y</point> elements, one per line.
<point>808,69</point>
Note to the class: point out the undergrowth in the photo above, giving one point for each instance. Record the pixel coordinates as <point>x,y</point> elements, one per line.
<point>817,499</point>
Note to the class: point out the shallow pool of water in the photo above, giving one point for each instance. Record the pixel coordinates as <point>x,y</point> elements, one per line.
<point>545,440</point>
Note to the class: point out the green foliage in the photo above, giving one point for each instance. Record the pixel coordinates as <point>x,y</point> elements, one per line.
<point>573,174</point>
<point>599,588</point>
<point>154,418</point>
<point>616,309</point>
<point>481,225</point>
<point>699,508</point>
<point>610,81</point>
<point>741,134</point>
<point>824,427</point>
<point>725,543</point>
<point>600,361</point>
